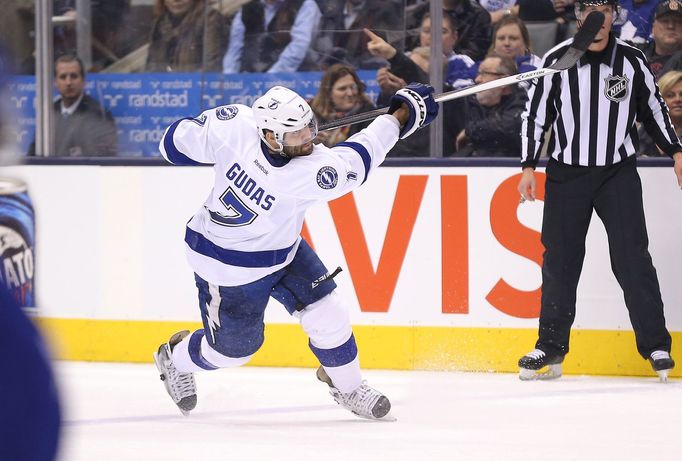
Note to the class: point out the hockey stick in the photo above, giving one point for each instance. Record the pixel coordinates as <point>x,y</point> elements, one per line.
<point>583,38</point>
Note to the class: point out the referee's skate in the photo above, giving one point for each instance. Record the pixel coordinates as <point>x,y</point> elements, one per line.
<point>532,366</point>
<point>662,363</point>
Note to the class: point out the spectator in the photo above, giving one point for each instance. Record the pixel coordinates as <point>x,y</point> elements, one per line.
<point>511,39</point>
<point>499,9</point>
<point>663,52</point>
<point>341,36</point>
<point>492,121</point>
<point>17,29</point>
<point>636,20</point>
<point>271,36</point>
<point>670,86</point>
<point>415,68</point>
<point>473,26</point>
<point>83,128</point>
<point>341,94</point>
<point>17,33</point>
<point>185,37</point>
<point>457,65</point>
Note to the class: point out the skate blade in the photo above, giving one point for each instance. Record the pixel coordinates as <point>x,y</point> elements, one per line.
<point>389,418</point>
<point>547,373</point>
<point>663,375</point>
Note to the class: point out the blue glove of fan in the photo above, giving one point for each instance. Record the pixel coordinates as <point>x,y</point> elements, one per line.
<point>423,108</point>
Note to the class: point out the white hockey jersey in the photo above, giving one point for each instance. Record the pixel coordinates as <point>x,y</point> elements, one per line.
<point>250,224</point>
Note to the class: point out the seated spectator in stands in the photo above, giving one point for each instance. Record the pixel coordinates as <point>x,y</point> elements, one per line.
<point>492,118</point>
<point>341,37</point>
<point>511,39</point>
<point>457,66</point>
<point>187,36</point>
<point>272,36</point>
<point>473,26</point>
<point>498,9</point>
<point>341,94</point>
<point>670,86</point>
<point>83,128</point>
<point>415,68</point>
<point>635,21</point>
<point>663,51</point>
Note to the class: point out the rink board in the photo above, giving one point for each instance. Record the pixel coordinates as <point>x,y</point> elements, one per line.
<point>441,267</point>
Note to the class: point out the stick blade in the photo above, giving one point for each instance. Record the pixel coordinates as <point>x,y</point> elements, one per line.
<point>582,40</point>
<point>588,31</point>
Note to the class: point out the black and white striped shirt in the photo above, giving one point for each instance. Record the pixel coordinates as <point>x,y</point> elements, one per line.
<point>592,108</point>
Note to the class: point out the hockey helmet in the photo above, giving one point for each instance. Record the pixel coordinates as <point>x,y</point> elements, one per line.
<point>287,115</point>
<point>581,5</point>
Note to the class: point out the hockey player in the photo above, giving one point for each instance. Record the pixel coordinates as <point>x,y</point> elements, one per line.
<point>244,243</point>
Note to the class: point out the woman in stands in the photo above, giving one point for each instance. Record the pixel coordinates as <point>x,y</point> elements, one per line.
<point>511,39</point>
<point>670,86</point>
<point>179,40</point>
<point>341,94</point>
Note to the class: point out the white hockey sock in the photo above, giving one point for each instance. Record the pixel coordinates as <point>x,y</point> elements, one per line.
<point>184,363</point>
<point>346,378</point>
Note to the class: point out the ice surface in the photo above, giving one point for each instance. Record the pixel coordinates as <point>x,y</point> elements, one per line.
<point>121,412</point>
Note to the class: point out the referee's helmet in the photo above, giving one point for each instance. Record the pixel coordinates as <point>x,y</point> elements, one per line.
<point>580,5</point>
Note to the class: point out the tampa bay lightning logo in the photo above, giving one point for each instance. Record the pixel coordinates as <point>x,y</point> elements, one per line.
<point>226,112</point>
<point>327,177</point>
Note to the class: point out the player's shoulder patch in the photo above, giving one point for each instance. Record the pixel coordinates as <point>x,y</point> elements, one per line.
<point>226,112</point>
<point>327,177</point>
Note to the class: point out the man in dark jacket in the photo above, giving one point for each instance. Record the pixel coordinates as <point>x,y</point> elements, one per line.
<point>492,120</point>
<point>473,25</point>
<point>341,37</point>
<point>83,128</point>
<point>664,50</point>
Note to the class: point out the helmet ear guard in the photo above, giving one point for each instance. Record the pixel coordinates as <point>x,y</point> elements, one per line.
<point>281,111</point>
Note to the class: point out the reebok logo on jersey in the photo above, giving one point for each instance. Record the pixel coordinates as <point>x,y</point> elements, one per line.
<point>616,87</point>
<point>226,112</point>
<point>261,167</point>
<point>327,177</point>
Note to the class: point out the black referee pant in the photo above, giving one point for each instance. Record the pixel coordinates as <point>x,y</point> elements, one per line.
<point>615,193</point>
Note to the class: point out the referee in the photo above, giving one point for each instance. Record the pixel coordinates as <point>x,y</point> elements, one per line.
<point>591,110</point>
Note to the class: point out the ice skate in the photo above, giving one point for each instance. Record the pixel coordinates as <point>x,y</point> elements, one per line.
<point>365,401</point>
<point>180,386</point>
<point>662,363</point>
<point>532,366</point>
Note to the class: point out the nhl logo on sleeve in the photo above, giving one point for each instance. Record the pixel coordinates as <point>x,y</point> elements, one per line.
<point>226,112</point>
<point>616,87</point>
<point>327,177</point>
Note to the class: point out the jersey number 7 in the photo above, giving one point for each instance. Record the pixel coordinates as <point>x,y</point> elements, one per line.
<point>238,214</point>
